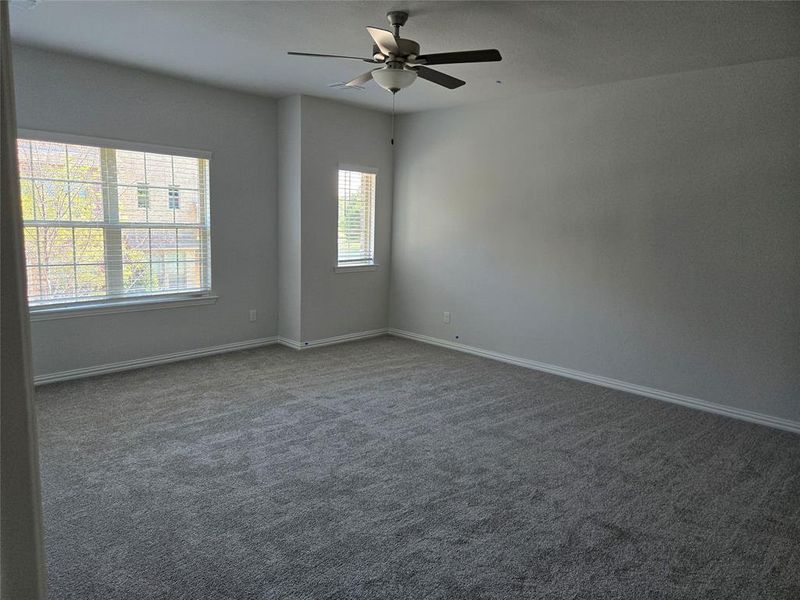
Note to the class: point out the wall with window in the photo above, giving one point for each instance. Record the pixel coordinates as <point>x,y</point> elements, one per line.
<point>70,95</point>
<point>342,301</point>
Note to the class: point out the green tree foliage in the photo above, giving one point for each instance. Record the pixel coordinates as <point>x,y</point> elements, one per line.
<point>63,187</point>
<point>351,221</point>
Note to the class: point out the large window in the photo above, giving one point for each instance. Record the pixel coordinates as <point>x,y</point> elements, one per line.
<point>356,218</point>
<point>104,224</point>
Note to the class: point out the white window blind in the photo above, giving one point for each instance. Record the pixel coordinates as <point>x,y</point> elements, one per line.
<point>105,224</point>
<point>356,218</point>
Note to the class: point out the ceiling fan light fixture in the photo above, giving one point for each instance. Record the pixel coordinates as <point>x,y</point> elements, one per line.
<point>394,80</point>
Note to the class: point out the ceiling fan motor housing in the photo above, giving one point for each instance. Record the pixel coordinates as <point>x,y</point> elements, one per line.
<point>397,18</point>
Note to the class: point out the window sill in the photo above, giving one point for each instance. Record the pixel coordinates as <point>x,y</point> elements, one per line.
<point>104,308</point>
<point>355,268</point>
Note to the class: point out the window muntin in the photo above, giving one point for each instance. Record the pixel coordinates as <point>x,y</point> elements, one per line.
<point>102,223</point>
<point>356,223</point>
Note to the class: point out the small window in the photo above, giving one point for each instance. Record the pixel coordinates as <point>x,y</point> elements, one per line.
<point>356,227</point>
<point>174,197</point>
<point>142,195</point>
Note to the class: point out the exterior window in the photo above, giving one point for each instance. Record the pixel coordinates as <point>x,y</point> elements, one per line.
<point>142,196</point>
<point>92,233</point>
<point>174,198</point>
<point>356,227</point>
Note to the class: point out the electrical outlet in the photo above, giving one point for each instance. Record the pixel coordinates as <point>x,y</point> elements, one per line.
<point>252,315</point>
<point>446,317</point>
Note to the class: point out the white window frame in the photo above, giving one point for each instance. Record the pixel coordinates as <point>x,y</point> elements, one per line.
<point>79,308</point>
<point>359,267</point>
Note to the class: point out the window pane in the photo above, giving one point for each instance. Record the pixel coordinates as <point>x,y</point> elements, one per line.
<point>83,163</point>
<point>89,245</point>
<point>56,246</point>
<point>189,209</point>
<point>90,280</point>
<point>165,276</point>
<point>164,243</point>
<point>87,201</point>
<point>192,274</point>
<point>189,245</point>
<point>356,207</point>
<point>130,167</point>
<point>130,210</point>
<point>135,260</point>
<point>51,200</point>
<point>186,172</point>
<point>159,169</point>
<point>159,207</point>
<point>49,160</point>
<point>135,245</point>
<point>136,278</point>
<point>59,283</point>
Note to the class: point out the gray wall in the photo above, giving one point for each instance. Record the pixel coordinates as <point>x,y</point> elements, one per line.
<point>289,226</point>
<point>71,95</point>
<point>332,134</point>
<point>647,231</point>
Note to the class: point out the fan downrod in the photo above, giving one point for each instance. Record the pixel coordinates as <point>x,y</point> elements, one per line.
<point>397,18</point>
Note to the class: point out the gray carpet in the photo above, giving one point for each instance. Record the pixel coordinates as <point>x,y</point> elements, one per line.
<point>392,469</point>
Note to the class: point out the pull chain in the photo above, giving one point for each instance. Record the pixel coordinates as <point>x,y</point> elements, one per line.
<point>393,95</point>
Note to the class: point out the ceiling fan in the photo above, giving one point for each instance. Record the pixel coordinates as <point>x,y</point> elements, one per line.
<point>401,61</point>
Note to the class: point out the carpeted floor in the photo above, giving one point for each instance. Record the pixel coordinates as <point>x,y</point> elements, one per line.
<point>392,469</point>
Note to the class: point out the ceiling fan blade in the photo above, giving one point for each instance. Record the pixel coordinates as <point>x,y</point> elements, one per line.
<point>370,60</point>
<point>451,58</point>
<point>361,79</point>
<point>385,40</point>
<point>438,77</point>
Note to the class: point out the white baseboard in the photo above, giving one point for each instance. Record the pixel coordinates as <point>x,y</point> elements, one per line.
<point>289,343</point>
<point>338,339</point>
<point>150,361</point>
<point>161,359</point>
<point>720,409</point>
<point>712,407</point>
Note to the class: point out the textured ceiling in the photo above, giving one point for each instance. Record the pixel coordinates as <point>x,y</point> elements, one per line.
<point>545,45</point>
